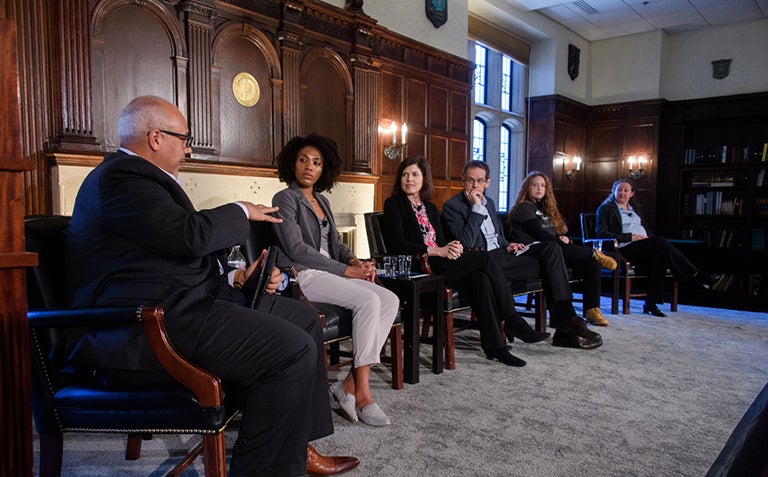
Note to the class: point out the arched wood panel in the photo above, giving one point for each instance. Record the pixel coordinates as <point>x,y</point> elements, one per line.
<point>326,97</point>
<point>245,131</point>
<point>135,50</point>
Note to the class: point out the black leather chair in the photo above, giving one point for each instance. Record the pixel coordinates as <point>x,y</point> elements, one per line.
<point>623,277</point>
<point>337,321</point>
<point>186,400</point>
<point>455,300</point>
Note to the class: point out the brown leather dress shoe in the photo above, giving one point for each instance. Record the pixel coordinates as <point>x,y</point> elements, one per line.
<point>318,464</point>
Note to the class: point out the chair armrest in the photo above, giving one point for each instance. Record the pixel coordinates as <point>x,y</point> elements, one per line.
<point>612,244</point>
<point>74,317</point>
<point>424,265</point>
<point>205,386</point>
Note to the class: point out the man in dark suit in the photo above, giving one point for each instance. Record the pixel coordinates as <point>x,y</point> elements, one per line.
<point>470,217</point>
<point>135,238</point>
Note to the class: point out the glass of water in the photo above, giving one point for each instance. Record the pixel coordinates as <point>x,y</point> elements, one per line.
<point>390,265</point>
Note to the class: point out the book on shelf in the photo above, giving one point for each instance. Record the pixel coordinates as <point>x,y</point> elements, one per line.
<point>754,284</point>
<point>760,178</point>
<point>726,154</point>
<point>758,238</point>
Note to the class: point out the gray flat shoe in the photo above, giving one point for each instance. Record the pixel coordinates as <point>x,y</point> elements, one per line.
<point>373,415</point>
<point>346,401</point>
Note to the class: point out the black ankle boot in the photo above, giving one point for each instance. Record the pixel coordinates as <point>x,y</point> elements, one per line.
<point>503,355</point>
<point>652,309</point>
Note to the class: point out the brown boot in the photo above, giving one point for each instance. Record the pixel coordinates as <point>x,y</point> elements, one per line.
<point>595,317</point>
<point>604,260</point>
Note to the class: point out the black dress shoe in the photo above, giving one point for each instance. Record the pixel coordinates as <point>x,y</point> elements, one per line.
<point>575,325</point>
<point>566,339</point>
<point>528,335</point>
<point>652,309</point>
<point>503,355</point>
<point>534,336</point>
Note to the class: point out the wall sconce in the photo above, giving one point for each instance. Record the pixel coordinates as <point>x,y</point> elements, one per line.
<point>575,167</point>
<point>396,149</point>
<point>639,172</point>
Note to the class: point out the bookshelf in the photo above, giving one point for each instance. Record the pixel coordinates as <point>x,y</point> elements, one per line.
<point>715,193</point>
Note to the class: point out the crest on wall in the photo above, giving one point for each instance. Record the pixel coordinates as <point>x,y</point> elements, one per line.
<point>437,11</point>
<point>573,61</point>
<point>721,68</point>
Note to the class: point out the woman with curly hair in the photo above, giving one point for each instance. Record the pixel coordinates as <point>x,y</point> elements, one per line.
<point>535,217</point>
<point>327,269</point>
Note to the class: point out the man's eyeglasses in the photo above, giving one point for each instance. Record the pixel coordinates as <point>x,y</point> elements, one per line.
<point>472,181</point>
<point>187,138</point>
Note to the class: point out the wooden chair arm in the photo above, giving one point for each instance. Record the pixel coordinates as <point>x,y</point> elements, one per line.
<point>425,267</point>
<point>206,387</point>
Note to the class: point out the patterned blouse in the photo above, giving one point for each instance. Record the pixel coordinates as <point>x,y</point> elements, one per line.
<point>427,231</point>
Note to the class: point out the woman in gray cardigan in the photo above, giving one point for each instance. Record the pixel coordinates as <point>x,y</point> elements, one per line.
<point>327,269</point>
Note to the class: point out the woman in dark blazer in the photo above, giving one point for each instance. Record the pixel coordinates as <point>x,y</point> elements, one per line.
<point>327,269</point>
<point>535,217</point>
<point>618,218</point>
<point>412,225</point>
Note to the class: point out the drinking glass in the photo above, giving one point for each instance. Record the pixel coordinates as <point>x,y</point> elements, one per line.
<point>390,264</point>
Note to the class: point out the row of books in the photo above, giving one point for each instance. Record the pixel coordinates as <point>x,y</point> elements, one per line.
<point>758,238</point>
<point>726,238</point>
<point>761,204</point>
<point>729,283</point>
<point>726,154</point>
<point>760,178</point>
<point>712,203</point>
<point>709,180</point>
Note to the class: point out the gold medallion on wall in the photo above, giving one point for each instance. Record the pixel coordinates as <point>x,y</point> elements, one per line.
<point>246,90</point>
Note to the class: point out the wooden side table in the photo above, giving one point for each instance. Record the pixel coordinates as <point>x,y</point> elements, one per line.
<point>410,291</point>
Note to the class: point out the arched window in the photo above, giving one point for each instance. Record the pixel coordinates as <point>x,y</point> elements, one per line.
<point>478,139</point>
<point>506,83</point>
<point>481,72</point>
<point>505,153</point>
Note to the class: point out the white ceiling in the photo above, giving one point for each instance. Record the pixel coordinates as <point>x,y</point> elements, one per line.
<point>601,19</point>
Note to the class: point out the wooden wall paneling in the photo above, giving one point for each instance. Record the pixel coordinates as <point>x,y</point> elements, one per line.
<point>326,97</point>
<point>541,134</point>
<point>458,150</point>
<point>135,50</point>
<point>245,131</point>
<point>437,107</point>
<point>392,106</point>
<point>364,133</point>
<point>15,394</point>
<point>198,20</point>
<point>437,151</point>
<point>39,91</point>
<point>73,124</point>
<point>459,112</point>
<point>416,103</point>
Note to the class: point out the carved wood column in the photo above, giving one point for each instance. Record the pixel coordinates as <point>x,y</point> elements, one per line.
<point>366,74</point>
<point>36,66</point>
<point>74,128</point>
<point>15,406</point>
<point>199,16</point>
<point>290,36</point>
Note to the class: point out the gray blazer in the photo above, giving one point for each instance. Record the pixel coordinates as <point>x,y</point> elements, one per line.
<point>299,234</point>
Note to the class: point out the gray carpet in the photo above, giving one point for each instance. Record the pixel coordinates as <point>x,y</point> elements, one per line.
<point>659,398</point>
